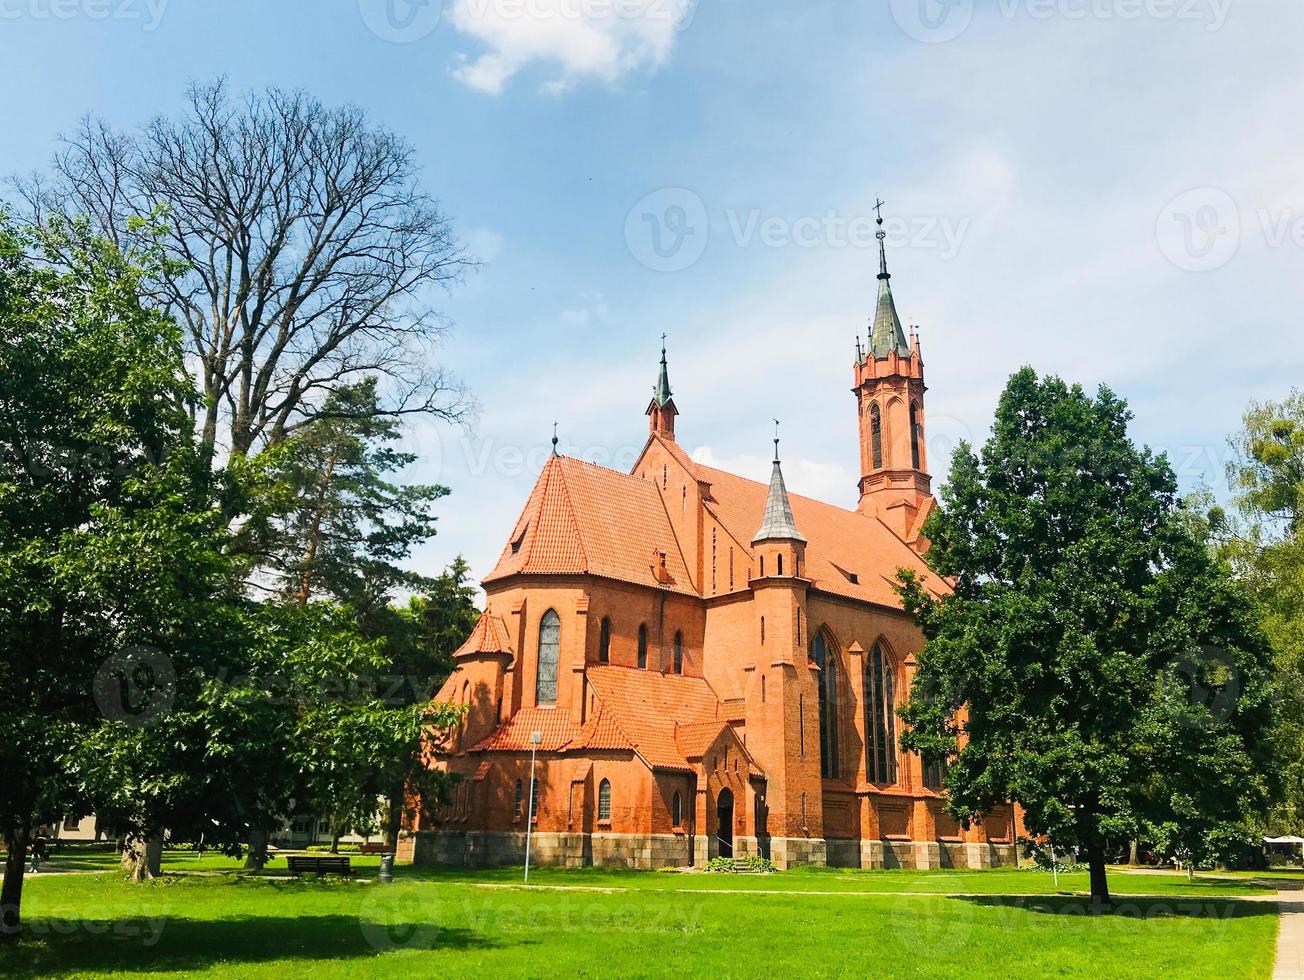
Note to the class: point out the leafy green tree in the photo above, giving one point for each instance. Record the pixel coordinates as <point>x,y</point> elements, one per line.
<point>1093,663</point>
<point>346,525</point>
<point>106,547</point>
<point>1265,542</point>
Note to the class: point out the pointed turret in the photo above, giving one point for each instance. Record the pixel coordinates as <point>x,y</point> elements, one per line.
<point>886,335</point>
<point>661,411</point>
<point>778,524</point>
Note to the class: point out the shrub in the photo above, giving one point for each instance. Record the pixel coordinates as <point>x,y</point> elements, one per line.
<point>722,864</point>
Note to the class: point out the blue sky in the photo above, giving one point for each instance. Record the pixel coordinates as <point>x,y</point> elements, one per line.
<point>1110,190</point>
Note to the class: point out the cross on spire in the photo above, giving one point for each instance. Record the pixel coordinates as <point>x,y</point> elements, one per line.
<point>554,439</point>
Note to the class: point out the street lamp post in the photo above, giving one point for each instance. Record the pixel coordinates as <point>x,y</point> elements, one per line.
<point>535,739</point>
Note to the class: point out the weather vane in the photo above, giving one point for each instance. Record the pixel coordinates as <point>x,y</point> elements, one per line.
<point>554,438</point>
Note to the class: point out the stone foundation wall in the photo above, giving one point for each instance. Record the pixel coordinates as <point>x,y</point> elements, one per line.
<point>471,849</point>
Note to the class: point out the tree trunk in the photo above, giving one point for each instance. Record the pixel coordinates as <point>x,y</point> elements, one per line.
<point>1099,884</point>
<point>142,858</point>
<point>11,893</point>
<point>335,842</point>
<point>393,818</point>
<point>1133,854</point>
<point>256,859</point>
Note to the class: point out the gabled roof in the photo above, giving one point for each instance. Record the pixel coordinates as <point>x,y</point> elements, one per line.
<point>841,543</point>
<point>586,519</point>
<point>648,705</point>
<point>489,636</point>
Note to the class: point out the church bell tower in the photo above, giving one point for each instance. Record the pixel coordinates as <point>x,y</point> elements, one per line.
<point>889,390</point>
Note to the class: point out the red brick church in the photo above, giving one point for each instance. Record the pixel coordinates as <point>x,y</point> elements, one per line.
<point>706,665</point>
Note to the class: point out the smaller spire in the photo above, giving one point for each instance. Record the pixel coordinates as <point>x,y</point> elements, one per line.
<point>885,334</point>
<point>778,523</point>
<point>662,391</point>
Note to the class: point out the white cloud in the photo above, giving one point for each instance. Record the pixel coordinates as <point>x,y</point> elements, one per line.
<point>583,39</point>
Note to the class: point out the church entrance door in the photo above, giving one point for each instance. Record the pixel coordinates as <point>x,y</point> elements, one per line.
<point>724,807</point>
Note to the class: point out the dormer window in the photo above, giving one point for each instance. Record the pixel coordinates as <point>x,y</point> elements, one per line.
<point>519,540</point>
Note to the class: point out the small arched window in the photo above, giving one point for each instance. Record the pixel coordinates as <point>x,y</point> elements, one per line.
<point>604,800</point>
<point>604,641</point>
<point>516,809</point>
<point>762,630</point>
<point>642,646</point>
<point>876,435</point>
<point>677,810</point>
<point>779,559</point>
<point>545,686</point>
<point>679,653</point>
<point>914,435</point>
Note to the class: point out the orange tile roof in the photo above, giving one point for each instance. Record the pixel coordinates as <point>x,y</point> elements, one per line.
<point>841,542</point>
<point>514,734</point>
<point>602,731</point>
<point>648,705</point>
<point>586,519</point>
<point>489,636</point>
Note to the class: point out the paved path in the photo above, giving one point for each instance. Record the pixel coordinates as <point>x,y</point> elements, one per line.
<point>1290,939</point>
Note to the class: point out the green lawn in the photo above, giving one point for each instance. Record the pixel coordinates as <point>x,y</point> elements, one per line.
<point>102,857</point>
<point>628,923</point>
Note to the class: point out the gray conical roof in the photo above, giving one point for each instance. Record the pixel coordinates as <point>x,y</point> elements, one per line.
<point>778,523</point>
<point>886,334</point>
<point>661,393</point>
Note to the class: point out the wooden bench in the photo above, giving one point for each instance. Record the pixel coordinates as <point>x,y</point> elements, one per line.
<point>312,864</point>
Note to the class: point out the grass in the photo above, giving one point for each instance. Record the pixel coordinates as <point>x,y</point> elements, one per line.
<point>593,922</point>
<point>103,857</point>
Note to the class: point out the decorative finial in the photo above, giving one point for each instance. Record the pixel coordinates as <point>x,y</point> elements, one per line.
<point>554,439</point>
<point>663,348</point>
<point>882,238</point>
<point>776,440</point>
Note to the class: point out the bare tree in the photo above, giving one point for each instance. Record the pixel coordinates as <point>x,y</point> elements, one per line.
<point>307,255</point>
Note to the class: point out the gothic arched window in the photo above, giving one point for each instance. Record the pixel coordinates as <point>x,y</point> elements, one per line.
<point>876,435</point>
<point>914,434</point>
<point>880,718</point>
<point>604,800</point>
<point>642,646</point>
<point>677,810</point>
<point>545,685</point>
<point>516,810</point>
<point>604,641</point>
<point>679,653</point>
<point>828,664</point>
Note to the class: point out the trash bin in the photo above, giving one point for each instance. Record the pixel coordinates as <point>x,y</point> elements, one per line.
<point>386,869</point>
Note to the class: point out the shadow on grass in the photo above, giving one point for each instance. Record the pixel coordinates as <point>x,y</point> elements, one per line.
<point>168,943</point>
<point>1131,906</point>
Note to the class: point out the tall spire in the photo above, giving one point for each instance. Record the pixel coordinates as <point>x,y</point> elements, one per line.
<point>886,334</point>
<point>663,393</point>
<point>778,523</point>
<point>661,411</point>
